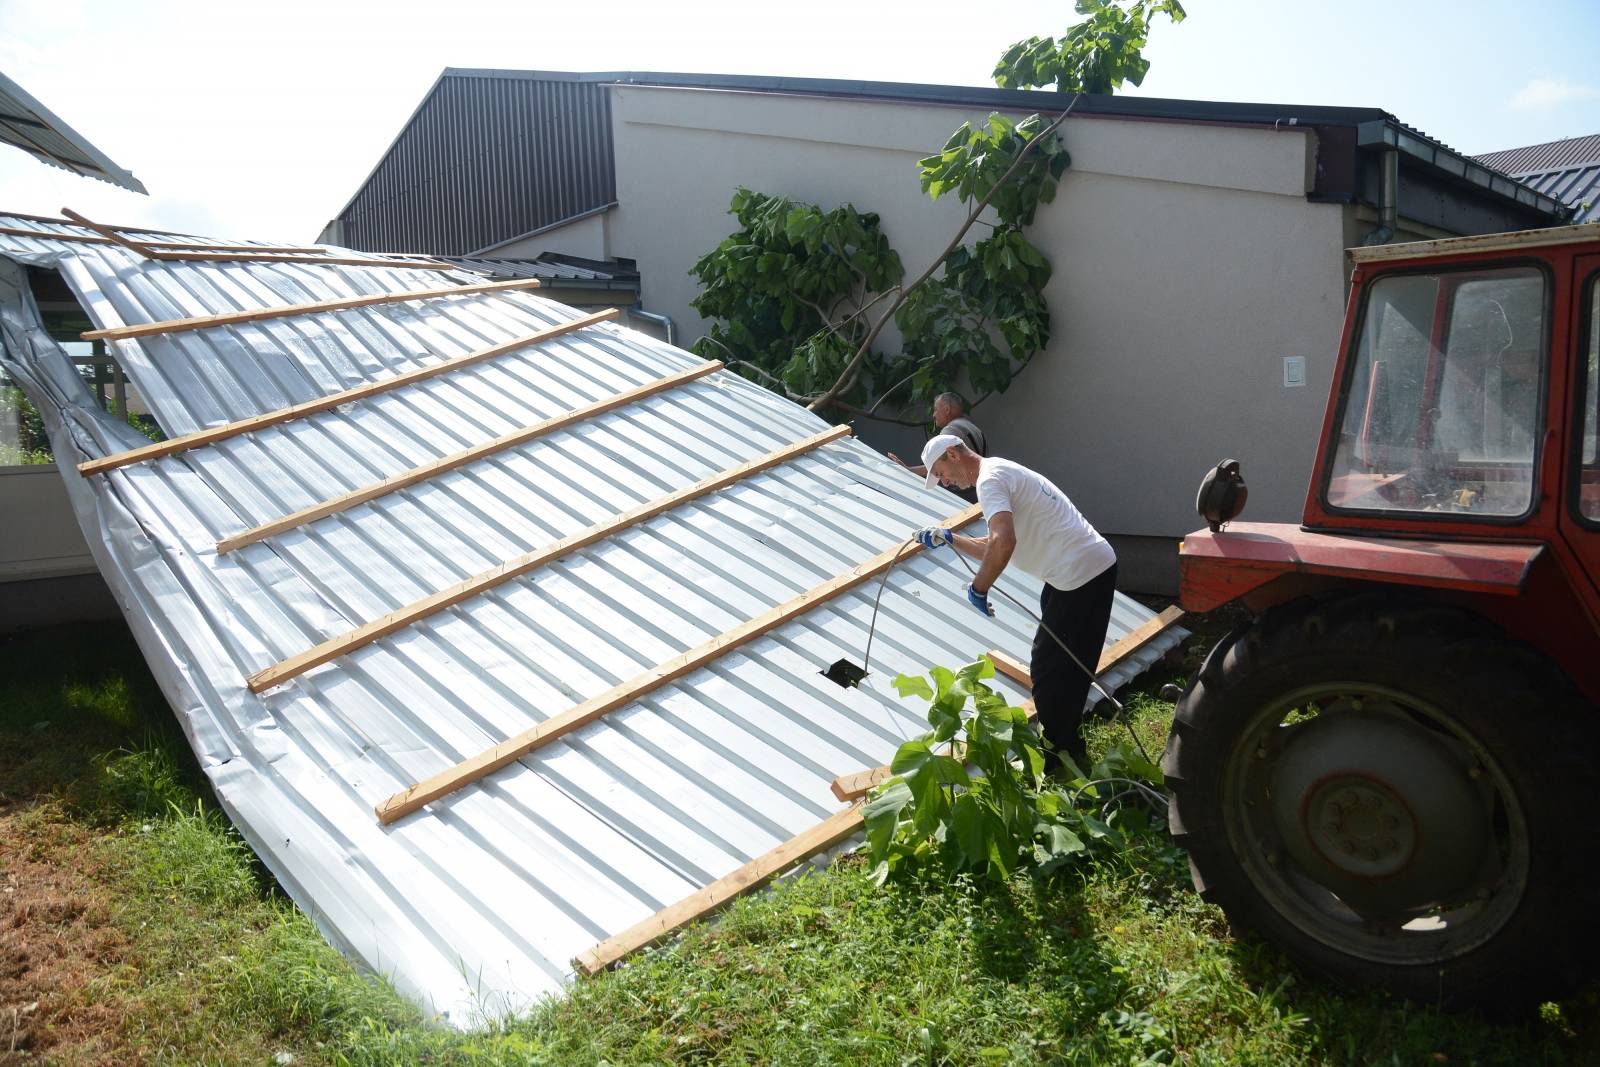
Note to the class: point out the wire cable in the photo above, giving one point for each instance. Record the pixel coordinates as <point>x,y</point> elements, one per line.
<point>1121,713</point>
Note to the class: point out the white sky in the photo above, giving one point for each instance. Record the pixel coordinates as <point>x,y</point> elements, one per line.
<point>260,120</point>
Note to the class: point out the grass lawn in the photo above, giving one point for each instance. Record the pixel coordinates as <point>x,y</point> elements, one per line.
<point>135,927</point>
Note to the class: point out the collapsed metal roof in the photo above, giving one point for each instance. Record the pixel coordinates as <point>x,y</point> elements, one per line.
<point>29,125</point>
<point>475,906</point>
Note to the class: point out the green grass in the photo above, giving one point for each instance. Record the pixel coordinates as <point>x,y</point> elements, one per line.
<point>1119,963</point>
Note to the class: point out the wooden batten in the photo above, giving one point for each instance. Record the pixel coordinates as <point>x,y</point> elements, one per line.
<point>462,458</point>
<point>859,783</point>
<point>703,902</point>
<point>333,400</point>
<point>581,715</point>
<point>266,256</point>
<point>171,251</point>
<point>45,235</point>
<point>1016,670</point>
<point>232,318</point>
<point>1138,637</point>
<point>137,247</point>
<point>201,246</point>
<point>348,642</point>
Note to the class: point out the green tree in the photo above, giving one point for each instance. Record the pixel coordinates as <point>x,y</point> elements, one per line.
<point>799,296</point>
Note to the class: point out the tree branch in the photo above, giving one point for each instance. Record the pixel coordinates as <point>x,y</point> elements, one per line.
<point>866,413</point>
<point>852,369</point>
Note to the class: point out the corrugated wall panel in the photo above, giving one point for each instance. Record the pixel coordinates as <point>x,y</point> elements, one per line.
<point>484,160</point>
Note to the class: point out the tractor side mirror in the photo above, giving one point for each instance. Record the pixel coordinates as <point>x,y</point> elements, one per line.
<point>1222,494</point>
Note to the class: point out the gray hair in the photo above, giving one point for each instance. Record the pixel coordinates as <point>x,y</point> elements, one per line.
<point>954,400</point>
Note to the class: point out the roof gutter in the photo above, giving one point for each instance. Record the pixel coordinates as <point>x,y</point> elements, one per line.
<point>1395,139</point>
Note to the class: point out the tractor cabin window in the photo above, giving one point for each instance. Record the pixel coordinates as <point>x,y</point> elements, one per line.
<point>1589,456</point>
<point>1443,412</point>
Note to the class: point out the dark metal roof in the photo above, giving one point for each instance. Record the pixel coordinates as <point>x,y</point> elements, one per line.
<point>494,155</point>
<point>1567,170</point>
<point>1552,155</point>
<point>555,270</point>
<point>1578,188</point>
<point>959,95</point>
<point>481,161</point>
<point>29,125</point>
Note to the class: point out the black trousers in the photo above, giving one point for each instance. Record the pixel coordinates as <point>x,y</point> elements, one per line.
<point>1060,687</point>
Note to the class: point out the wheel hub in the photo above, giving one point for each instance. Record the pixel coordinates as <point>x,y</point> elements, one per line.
<point>1378,809</point>
<point>1360,826</point>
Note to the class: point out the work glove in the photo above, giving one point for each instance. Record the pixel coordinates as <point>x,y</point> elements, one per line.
<point>934,537</point>
<point>979,600</point>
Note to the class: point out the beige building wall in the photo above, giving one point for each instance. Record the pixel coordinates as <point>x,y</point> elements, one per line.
<point>47,575</point>
<point>39,537</point>
<point>1188,264</point>
<point>585,237</point>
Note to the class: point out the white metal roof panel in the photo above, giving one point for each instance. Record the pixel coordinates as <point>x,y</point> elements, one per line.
<point>29,125</point>
<point>477,904</point>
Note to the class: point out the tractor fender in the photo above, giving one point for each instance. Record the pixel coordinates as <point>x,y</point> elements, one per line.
<point>1218,568</point>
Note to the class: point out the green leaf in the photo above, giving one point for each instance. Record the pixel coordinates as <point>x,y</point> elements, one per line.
<point>969,825</point>
<point>908,685</point>
<point>1060,841</point>
<point>881,815</point>
<point>994,730</point>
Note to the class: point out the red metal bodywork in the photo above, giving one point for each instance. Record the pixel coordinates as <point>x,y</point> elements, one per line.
<point>1218,568</point>
<point>1538,577</point>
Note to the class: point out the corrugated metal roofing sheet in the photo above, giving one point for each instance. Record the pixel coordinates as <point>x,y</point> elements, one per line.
<point>1578,188</point>
<point>543,267</point>
<point>1552,155</point>
<point>1567,170</point>
<point>476,905</point>
<point>481,161</point>
<point>29,125</point>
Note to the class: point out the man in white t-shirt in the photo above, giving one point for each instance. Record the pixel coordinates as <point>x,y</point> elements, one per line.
<point>1033,525</point>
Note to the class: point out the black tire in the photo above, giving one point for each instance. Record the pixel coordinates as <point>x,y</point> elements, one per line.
<point>1396,793</point>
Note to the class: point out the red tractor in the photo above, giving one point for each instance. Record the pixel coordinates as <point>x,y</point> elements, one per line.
<point>1388,771</point>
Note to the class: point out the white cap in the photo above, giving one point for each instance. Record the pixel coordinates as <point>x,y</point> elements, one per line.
<point>931,452</point>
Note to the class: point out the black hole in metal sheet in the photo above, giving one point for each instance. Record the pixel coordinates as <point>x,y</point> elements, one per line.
<point>844,674</point>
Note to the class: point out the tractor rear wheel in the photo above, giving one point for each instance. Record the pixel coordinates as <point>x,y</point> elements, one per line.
<point>1394,792</point>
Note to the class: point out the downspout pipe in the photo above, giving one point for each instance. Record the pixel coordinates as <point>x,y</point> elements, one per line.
<point>664,321</point>
<point>1388,198</point>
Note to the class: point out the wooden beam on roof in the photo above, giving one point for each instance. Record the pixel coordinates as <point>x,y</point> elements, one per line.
<point>333,400</point>
<point>137,247</point>
<point>232,318</point>
<point>45,235</point>
<point>348,642</point>
<point>1135,639</point>
<point>270,257</point>
<point>123,229</point>
<point>201,246</point>
<point>703,902</point>
<point>1016,670</point>
<point>1138,637</point>
<point>167,253</point>
<point>859,783</point>
<point>625,693</point>
<point>462,458</point>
